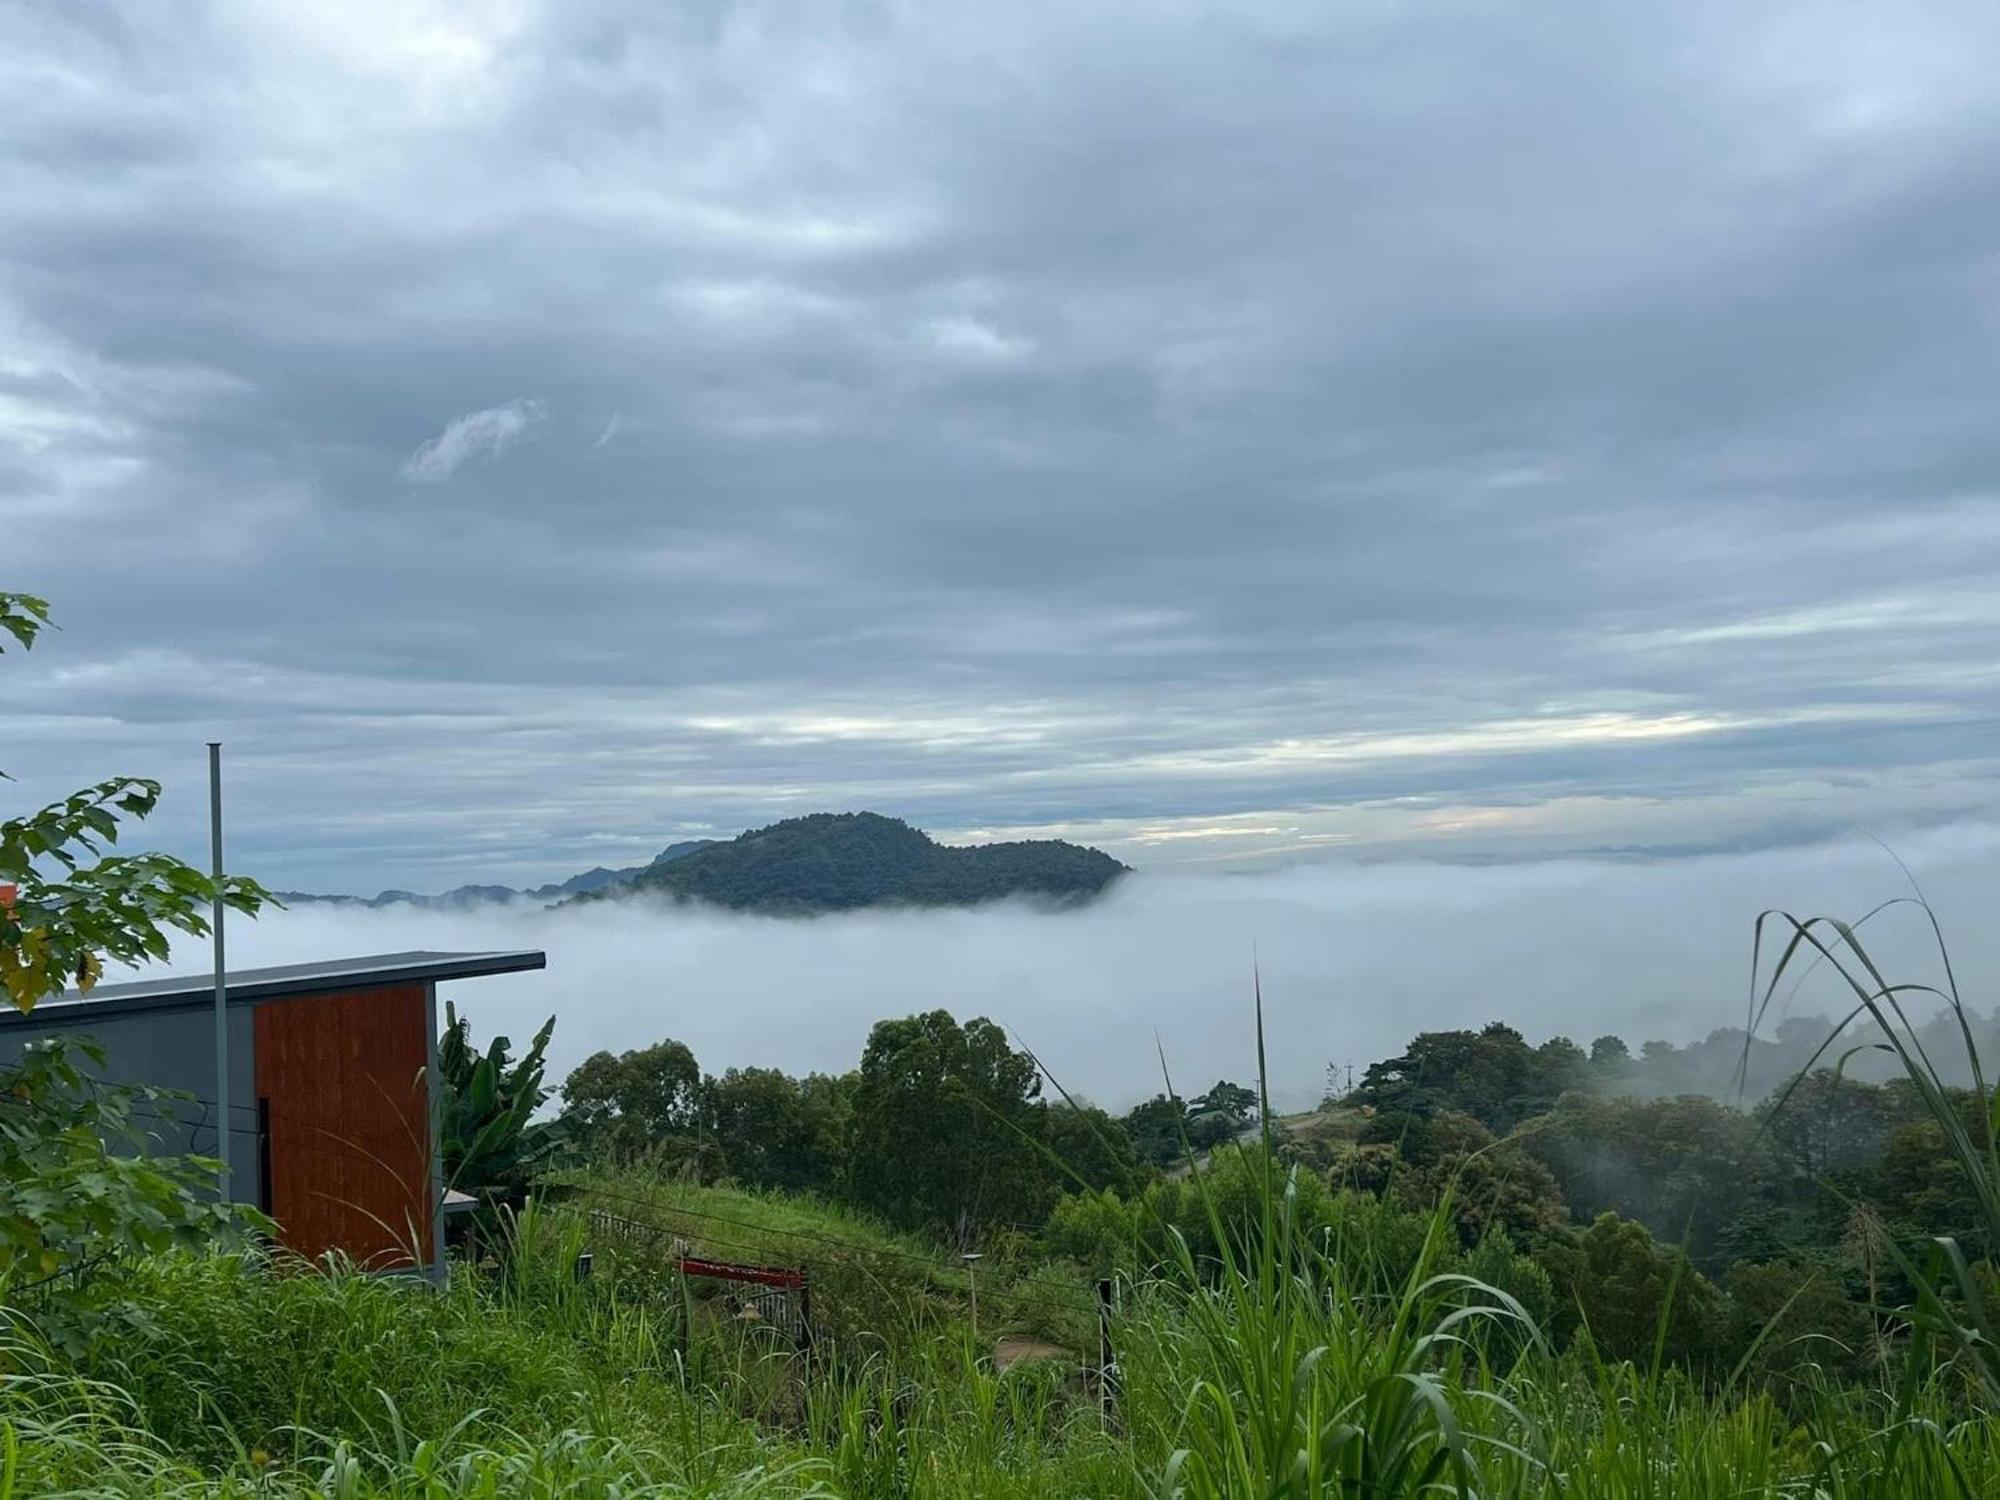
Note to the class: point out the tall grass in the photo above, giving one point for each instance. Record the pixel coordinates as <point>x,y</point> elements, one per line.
<point>1316,1368</point>
<point>1953,1309</point>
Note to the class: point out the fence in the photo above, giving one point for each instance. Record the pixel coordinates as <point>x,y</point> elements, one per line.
<point>784,1296</point>
<point>781,1299</point>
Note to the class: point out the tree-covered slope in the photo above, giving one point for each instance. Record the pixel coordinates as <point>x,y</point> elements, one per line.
<point>840,861</point>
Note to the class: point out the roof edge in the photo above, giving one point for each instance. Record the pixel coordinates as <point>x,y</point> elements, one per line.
<point>198,990</point>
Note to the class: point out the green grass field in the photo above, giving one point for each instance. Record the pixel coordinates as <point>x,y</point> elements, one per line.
<point>1307,1370</point>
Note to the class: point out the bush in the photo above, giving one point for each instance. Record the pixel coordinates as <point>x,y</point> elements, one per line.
<point>83,1199</point>
<point>1615,1282</point>
<point>1789,1316</point>
<point>1493,1184</point>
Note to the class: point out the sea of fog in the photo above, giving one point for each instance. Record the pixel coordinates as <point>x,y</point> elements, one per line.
<point>1354,959</point>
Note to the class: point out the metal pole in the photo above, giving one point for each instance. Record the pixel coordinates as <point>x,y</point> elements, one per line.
<point>434,1108</point>
<point>221,982</point>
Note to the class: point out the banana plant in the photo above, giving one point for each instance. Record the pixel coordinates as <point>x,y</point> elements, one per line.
<point>492,1144</point>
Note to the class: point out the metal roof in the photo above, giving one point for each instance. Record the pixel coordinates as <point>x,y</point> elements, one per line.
<point>288,981</point>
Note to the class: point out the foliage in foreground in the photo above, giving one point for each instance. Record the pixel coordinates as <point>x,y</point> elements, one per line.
<point>1309,1371</point>
<point>491,1144</point>
<point>83,1201</point>
<point>68,907</point>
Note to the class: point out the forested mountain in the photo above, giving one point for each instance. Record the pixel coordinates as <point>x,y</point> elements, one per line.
<point>839,861</point>
<point>824,862</point>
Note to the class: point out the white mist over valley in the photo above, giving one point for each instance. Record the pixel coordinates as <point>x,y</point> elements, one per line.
<point>1355,959</point>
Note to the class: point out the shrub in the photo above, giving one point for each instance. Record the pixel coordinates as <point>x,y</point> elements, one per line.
<point>1615,1282</point>
<point>82,1198</point>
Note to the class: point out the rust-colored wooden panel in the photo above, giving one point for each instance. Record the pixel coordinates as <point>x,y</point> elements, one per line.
<point>349,1164</point>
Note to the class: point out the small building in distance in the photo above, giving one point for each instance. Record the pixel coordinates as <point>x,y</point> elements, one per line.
<point>332,1087</point>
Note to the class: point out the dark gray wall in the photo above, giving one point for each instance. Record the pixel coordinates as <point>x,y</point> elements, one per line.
<point>174,1049</point>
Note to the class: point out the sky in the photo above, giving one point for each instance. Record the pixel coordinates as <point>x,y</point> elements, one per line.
<point>528,434</point>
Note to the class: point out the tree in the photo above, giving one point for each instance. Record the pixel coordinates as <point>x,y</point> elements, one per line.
<point>1563,1066</point>
<point>1235,1101</point>
<point>1614,1280</point>
<point>72,907</point>
<point>1494,1184</point>
<point>79,1195</point>
<point>1155,1128</point>
<point>1166,1126</point>
<point>635,1101</point>
<point>488,1137</point>
<point>1684,1167</point>
<point>1221,1114</point>
<point>777,1131</point>
<point>1089,1144</point>
<point>1827,1123</point>
<point>1923,1188</point>
<point>1788,1316</point>
<point>1610,1057</point>
<point>1491,1074</point>
<point>945,1127</point>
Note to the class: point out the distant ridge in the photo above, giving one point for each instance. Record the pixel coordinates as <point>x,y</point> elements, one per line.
<point>461,898</point>
<point>819,863</point>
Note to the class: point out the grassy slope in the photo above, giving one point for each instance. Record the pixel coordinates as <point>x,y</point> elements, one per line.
<point>536,1384</point>
<point>865,1277</point>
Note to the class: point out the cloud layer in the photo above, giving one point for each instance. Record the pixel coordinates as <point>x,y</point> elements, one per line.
<point>1221,433</point>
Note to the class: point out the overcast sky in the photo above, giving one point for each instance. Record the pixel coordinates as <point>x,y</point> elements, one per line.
<point>528,434</point>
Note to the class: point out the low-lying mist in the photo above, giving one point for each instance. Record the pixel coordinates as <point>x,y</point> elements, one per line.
<point>1355,959</point>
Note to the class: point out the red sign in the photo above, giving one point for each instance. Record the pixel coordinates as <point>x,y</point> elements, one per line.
<point>724,1271</point>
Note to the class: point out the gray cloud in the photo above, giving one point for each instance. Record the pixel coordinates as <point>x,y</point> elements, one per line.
<point>1228,434</point>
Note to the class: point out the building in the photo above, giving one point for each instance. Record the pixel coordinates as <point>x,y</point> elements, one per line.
<point>332,1087</point>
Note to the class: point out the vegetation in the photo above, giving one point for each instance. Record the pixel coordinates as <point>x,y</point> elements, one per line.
<point>81,1200</point>
<point>941,1128</point>
<point>68,907</point>
<point>1287,1339</point>
<point>840,861</point>
<point>80,1197</point>
<point>491,1144</point>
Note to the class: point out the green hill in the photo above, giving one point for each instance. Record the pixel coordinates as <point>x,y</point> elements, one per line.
<point>840,861</point>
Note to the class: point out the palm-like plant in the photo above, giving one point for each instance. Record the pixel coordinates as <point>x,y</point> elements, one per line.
<point>491,1142</point>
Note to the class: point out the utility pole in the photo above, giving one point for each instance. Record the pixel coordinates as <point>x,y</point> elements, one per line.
<point>222,1128</point>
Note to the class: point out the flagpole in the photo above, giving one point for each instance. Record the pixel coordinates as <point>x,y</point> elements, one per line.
<point>222,1129</point>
